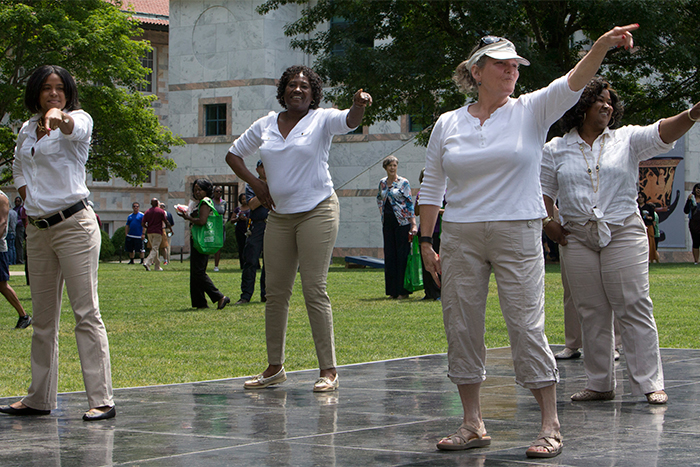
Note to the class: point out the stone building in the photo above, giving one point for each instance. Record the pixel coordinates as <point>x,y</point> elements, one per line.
<point>215,66</point>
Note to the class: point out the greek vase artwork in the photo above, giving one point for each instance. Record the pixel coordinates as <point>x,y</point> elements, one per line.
<point>656,182</point>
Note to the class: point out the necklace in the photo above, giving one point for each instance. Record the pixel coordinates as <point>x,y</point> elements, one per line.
<point>597,165</point>
<point>40,125</point>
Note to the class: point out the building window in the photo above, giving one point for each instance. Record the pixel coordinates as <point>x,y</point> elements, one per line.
<point>148,62</point>
<point>215,119</point>
<point>413,125</point>
<point>215,114</point>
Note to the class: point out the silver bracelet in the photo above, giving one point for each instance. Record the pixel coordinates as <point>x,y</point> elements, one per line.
<point>690,116</point>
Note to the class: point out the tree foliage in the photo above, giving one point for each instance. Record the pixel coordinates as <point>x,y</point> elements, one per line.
<point>418,44</point>
<point>95,42</point>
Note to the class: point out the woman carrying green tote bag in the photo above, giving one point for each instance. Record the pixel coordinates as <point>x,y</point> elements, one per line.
<point>207,237</point>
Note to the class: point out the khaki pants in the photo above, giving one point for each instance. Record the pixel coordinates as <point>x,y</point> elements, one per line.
<point>67,252</point>
<point>608,282</point>
<point>572,323</point>
<point>469,252</point>
<point>154,240</point>
<point>304,241</point>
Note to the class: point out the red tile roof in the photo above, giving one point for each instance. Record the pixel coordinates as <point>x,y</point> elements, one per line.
<point>149,11</point>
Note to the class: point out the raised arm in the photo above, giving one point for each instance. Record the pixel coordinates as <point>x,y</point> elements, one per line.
<point>585,70</point>
<point>360,100</point>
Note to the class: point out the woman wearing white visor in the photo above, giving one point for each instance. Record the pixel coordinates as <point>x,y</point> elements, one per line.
<point>485,159</point>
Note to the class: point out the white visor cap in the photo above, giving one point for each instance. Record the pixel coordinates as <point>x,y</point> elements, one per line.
<point>501,50</point>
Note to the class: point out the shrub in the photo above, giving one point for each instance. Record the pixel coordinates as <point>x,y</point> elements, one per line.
<point>118,239</point>
<point>230,248</point>
<point>106,248</point>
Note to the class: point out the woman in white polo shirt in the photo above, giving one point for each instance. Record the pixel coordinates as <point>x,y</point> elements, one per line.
<point>304,214</point>
<point>593,171</point>
<point>485,159</point>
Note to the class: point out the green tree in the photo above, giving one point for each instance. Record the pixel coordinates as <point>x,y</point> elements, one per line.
<point>93,40</point>
<point>418,44</point>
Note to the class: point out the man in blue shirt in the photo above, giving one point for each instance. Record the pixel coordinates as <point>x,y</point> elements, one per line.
<point>134,231</point>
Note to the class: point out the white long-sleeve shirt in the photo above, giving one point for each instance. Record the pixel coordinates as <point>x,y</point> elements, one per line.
<point>608,196</point>
<point>54,173</point>
<point>491,172</point>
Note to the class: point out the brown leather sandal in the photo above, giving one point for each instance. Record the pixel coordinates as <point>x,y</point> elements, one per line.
<point>464,438</point>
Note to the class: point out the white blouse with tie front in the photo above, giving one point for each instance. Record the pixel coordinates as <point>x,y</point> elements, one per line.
<point>607,195</point>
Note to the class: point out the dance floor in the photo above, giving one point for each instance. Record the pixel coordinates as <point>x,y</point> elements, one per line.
<point>388,413</point>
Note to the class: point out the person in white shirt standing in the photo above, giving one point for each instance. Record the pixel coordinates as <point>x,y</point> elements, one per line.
<point>304,216</point>
<point>593,171</point>
<point>63,242</point>
<point>487,156</point>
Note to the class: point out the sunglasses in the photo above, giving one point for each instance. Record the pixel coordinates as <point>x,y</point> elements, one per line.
<point>488,40</point>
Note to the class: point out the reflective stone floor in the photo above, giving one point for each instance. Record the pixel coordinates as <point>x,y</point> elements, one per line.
<point>384,414</point>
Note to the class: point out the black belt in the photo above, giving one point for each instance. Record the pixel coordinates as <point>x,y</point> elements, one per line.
<point>43,224</point>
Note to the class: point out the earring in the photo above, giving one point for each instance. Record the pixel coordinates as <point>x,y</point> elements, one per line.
<point>312,102</point>
<point>479,83</point>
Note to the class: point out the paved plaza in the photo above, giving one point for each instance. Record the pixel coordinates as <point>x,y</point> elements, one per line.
<point>388,413</point>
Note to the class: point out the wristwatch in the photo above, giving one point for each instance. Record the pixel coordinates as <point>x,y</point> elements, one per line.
<point>425,240</point>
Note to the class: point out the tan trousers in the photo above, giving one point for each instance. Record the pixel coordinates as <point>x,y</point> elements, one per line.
<point>469,252</point>
<point>572,323</point>
<point>301,241</point>
<point>67,252</point>
<point>154,240</point>
<point>614,281</point>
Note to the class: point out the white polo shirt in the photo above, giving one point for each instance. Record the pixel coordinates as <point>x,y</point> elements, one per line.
<point>296,166</point>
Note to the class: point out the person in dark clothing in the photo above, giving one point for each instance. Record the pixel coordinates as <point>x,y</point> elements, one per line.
<point>254,244</point>
<point>398,226</point>
<point>691,208</point>
<point>242,213</point>
<point>200,283</point>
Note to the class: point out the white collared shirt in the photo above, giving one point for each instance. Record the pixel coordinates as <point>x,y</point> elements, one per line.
<point>55,173</point>
<point>296,166</point>
<point>492,171</point>
<point>565,174</point>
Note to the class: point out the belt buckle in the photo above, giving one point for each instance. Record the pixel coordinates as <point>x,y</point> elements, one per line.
<point>41,224</point>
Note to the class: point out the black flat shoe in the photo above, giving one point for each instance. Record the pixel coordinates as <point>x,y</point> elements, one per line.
<point>224,303</point>
<point>8,409</point>
<point>91,417</point>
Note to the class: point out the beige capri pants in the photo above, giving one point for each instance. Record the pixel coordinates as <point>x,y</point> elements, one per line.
<point>513,250</point>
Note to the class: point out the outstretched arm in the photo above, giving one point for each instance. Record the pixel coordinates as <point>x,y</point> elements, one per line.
<point>585,70</point>
<point>672,128</point>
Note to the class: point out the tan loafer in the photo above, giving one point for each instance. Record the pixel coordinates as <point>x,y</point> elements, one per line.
<point>657,398</point>
<point>260,382</point>
<point>588,395</point>
<point>325,384</point>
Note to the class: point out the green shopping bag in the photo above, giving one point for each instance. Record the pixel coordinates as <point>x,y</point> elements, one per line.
<point>209,238</point>
<point>413,279</point>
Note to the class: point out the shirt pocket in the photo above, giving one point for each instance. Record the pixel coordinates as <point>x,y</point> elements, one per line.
<point>49,144</point>
<point>302,139</point>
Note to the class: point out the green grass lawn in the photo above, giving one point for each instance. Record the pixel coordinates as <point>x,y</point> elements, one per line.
<point>156,338</point>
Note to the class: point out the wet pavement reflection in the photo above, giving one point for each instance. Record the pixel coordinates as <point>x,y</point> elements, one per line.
<point>387,413</point>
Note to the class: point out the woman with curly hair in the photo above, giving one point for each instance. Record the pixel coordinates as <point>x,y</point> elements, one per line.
<point>593,170</point>
<point>304,213</point>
